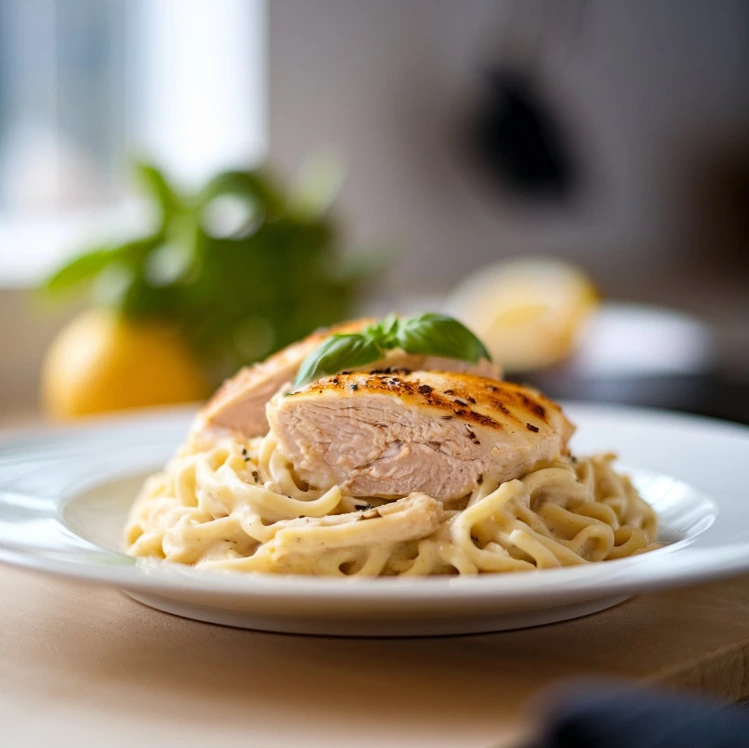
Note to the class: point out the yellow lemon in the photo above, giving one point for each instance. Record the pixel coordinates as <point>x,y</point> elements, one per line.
<point>101,362</point>
<point>529,313</point>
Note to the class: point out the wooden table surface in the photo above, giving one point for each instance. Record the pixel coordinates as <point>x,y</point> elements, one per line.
<point>84,665</point>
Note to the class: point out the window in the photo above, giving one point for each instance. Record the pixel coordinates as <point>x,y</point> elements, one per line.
<point>85,85</point>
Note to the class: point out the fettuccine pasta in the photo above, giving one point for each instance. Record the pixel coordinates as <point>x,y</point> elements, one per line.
<point>238,506</point>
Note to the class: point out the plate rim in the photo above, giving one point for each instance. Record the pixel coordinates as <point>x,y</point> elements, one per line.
<point>734,559</point>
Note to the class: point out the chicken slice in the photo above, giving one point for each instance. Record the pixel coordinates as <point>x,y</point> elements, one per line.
<point>440,433</point>
<point>239,404</point>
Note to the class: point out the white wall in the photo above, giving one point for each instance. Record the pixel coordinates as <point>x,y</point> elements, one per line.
<point>389,81</point>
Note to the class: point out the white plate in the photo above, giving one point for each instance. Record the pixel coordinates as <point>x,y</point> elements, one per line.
<point>64,495</point>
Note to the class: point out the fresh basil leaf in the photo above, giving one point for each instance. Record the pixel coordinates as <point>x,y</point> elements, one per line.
<point>335,354</point>
<point>159,189</point>
<point>390,330</point>
<point>86,267</point>
<point>80,269</point>
<point>383,332</point>
<point>252,185</point>
<point>439,335</point>
<point>281,266</point>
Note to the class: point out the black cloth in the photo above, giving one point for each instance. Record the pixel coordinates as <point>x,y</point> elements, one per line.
<point>606,715</point>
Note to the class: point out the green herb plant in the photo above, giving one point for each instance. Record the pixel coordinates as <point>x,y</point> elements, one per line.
<point>241,268</point>
<point>428,334</point>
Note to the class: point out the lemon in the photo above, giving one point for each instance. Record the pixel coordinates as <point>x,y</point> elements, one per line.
<point>101,362</point>
<point>529,313</point>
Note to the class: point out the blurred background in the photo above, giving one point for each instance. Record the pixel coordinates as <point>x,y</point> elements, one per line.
<point>217,177</point>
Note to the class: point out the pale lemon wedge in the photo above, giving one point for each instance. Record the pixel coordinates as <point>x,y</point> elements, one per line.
<point>530,313</point>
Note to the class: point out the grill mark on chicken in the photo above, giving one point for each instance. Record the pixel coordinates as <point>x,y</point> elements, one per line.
<point>536,407</point>
<point>379,382</point>
<point>513,398</point>
<point>499,405</point>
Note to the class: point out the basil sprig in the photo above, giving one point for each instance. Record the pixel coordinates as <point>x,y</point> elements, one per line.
<point>428,334</point>
<point>242,267</point>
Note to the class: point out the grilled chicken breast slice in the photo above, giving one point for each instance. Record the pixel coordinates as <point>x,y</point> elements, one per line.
<point>393,433</point>
<point>239,404</point>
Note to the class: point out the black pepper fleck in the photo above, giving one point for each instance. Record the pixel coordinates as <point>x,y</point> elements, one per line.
<point>471,400</point>
<point>449,392</point>
<point>354,387</point>
<point>446,418</point>
<point>255,475</point>
<point>424,389</point>
<point>532,428</point>
<point>461,402</point>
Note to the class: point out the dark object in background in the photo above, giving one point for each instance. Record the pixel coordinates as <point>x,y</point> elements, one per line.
<point>638,355</point>
<point>713,393</point>
<point>605,715</point>
<point>516,134</point>
<point>518,142</point>
<point>716,231</point>
<point>648,356</point>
